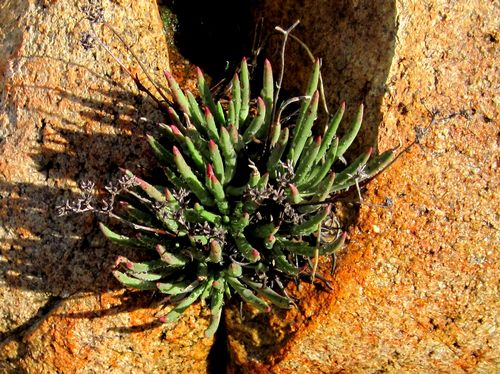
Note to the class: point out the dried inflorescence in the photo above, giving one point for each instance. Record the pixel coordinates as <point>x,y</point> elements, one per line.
<point>87,202</point>
<point>93,11</point>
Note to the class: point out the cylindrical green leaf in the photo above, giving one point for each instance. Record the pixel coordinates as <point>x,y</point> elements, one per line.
<point>352,170</point>
<point>322,192</point>
<point>278,300</point>
<point>311,225</point>
<point>216,303</point>
<point>275,133</point>
<point>303,130</point>
<point>330,132</point>
<point>175,313</point>
<point>264,230</point>
<point>247,295</point>
<point>267,92</point>
<point>211,126</point>
<point>206,96</point>
<point>245,91</point>
<point>188,147</point>
<point>282,262</point>
<point>346,141</point>
<point>216,159</point>
<point>215,252</point>
<point>161,152</point>
<point>220,114</point>
<point>117,238</point>
<point>277,153</point>
<point>333,246</point>
<point>176,288</point>
<point>229,154</point>
<point>140,267</point>
<point>236,99</point>
<point>191,179</point>
<point>293,194</point>
<point>246,249</point>
<point>379,163</point>
<point>236,138</point>
<point>199,214</point>
<point>177,93</point>
<point>312,86</point>
<point>320,171</point>
<point>240,222</point>
<point>196,113</point>
<point>174,260</point>
<point>202,271</point>
<point>256,123</point>
<point>306,161</point>
<point>296,247</point>
<point>133,282</point>
<point>234,270</point>
<point>217,190</point>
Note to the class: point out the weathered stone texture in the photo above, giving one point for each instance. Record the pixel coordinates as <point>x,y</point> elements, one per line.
<point>69,114</point>
<point>115,332</point>
<point>416,290</point>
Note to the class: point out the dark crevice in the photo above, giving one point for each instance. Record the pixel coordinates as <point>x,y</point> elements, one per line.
<point>213,35</point>
<point>218,357</point>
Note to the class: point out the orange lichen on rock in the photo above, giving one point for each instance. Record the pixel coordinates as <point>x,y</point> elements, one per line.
<point>84,333</point>
<point>420,295</point>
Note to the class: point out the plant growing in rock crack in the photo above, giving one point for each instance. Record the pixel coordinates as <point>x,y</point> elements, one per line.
<point>246,196</point>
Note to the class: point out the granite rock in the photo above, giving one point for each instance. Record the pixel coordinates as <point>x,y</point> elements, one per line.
<point>416,288</point>
<point>70,113</point>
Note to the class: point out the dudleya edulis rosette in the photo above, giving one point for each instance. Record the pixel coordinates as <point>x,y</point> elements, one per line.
<point>245,195</point>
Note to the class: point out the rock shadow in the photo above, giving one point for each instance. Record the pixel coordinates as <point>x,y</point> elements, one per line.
<point>213,35</point>
<point>61,256</point>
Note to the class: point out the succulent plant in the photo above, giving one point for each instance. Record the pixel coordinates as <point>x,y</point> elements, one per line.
<point>245,197</point>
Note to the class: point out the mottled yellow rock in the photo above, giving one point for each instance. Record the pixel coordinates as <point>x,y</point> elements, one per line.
<point>69,114</point>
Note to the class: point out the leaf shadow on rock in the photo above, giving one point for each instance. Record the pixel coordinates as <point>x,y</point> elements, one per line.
<point>130,300</point>
<point>57,257</point>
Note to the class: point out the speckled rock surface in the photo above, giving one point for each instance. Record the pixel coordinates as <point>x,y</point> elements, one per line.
<point>416,289</point>
<point>69,114</point>
<point>115,332</point>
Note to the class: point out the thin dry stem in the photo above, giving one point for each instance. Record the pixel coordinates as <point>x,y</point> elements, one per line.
<point>282,65</point>
<point>311,56</point>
